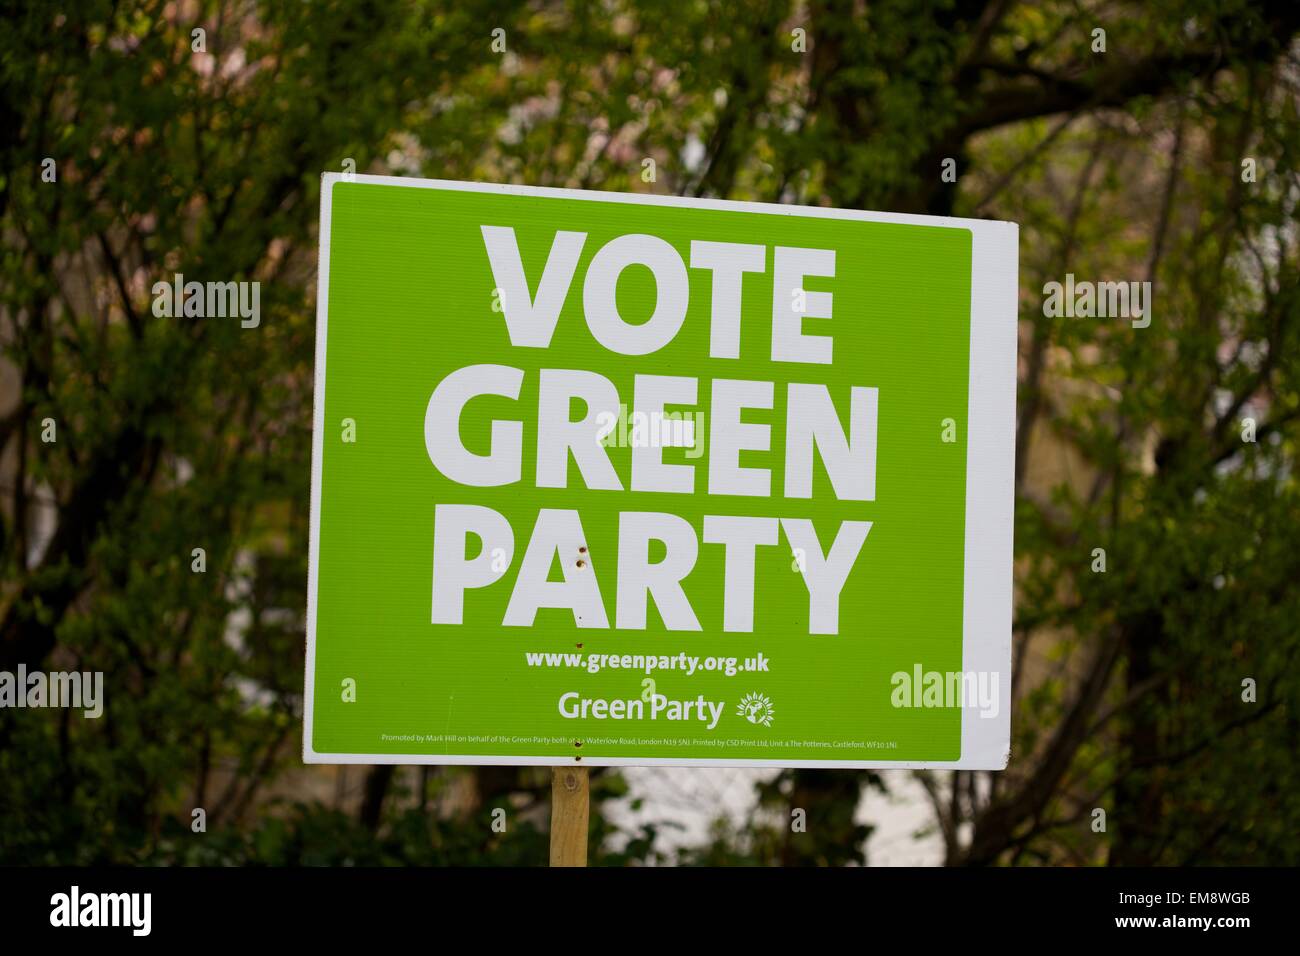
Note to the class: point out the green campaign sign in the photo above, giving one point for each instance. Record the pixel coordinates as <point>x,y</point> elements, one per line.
<point>645,480</point>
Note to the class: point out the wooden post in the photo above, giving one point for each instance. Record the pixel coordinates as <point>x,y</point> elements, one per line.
<point>570,799</point>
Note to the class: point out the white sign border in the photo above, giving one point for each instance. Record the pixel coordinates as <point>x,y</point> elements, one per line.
<point>990,470</point>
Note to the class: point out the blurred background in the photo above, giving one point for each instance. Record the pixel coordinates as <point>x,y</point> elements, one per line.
<point>1133,141</point>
